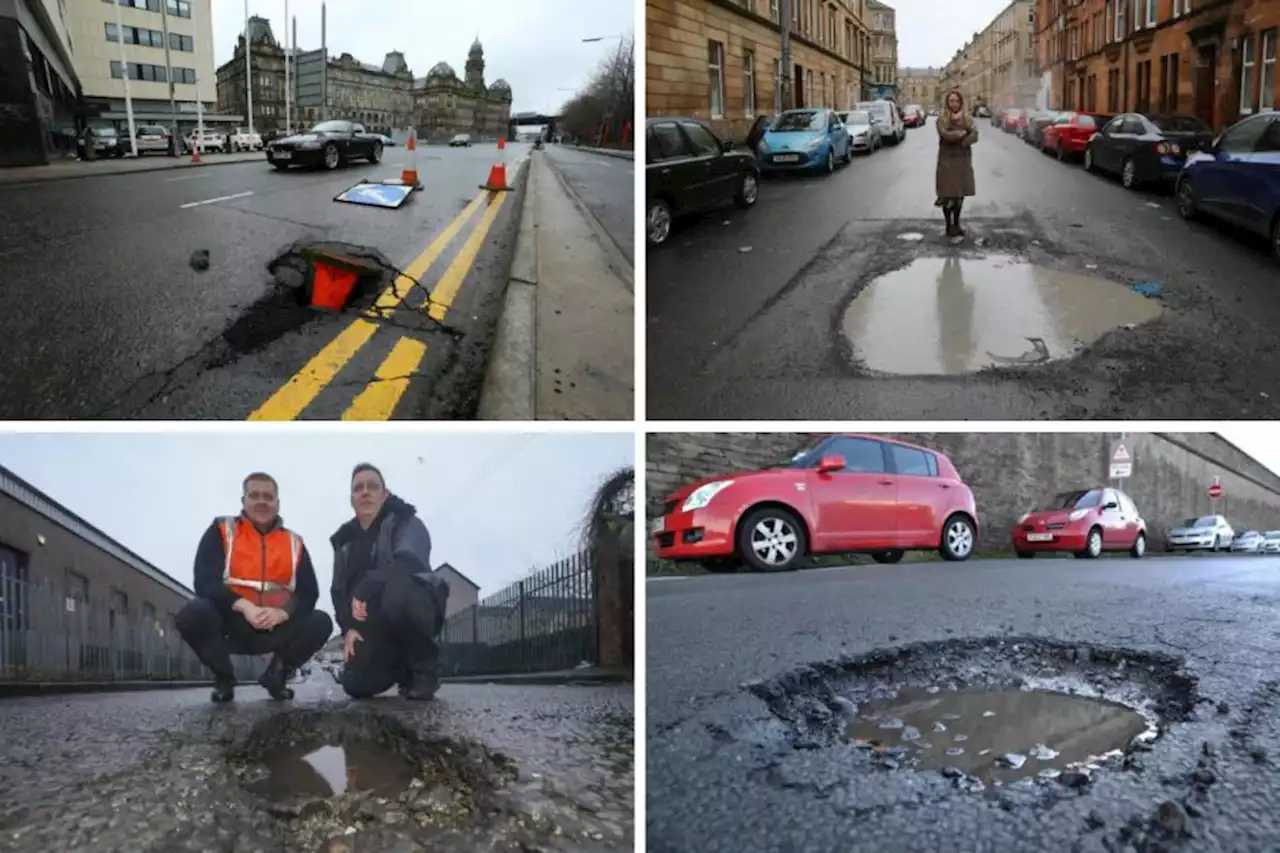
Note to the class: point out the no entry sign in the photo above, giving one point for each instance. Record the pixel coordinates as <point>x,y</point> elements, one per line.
<point>1215,491</point>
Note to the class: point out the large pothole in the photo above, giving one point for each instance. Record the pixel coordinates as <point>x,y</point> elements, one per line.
<point>987,712</point>
<point>960,314</point>
<point>330,776</point>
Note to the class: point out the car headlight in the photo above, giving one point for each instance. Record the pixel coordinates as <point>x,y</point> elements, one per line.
<point>310,144</point>
<point>1078,514</point>
<point>763,147</point>
<point>702,495</point>
<point>818,142</point>
<point>1024,517</point>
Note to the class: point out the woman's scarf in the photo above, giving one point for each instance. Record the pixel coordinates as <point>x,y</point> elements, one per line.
<point>950,123</point>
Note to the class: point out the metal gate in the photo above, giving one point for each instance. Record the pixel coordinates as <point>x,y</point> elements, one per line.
<point>14,612</point>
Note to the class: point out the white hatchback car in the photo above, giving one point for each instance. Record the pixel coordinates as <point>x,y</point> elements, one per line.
<point>1206,533</point>
<point>892,128</point>
<point>1271,542</point>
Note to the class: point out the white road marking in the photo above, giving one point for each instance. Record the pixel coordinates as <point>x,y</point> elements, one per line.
<point>669,578</point>
<point>187,178</point>
<point>214,200</point>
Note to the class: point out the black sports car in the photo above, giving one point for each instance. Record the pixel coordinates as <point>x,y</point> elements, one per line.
<point>329,144</point>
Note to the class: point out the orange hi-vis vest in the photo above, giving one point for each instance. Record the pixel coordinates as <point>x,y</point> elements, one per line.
<point>260,567</point>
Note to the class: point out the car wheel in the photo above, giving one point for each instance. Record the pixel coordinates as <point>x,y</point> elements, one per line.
<point>957,539</point>
<point>376,156</point>
<point>1089,165</point>
<point>848,154</point>
<point>1139,546</point>
<point>1217,544</point>
<point>887,557</point>
<point>771,539</point>
<point>659,219</point>
<point>1129,174</point>
<point>1187,207</point>
<point>831,161</point>
<point>332,159</point>
<point>1093,545</point>
<point>748,192</point>
<point>1025,555</point>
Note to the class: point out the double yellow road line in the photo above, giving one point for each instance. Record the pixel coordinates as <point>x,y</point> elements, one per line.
<point>379,399</point>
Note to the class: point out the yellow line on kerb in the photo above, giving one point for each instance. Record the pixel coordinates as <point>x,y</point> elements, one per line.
<point>287,403</point>
<point>379,400</point>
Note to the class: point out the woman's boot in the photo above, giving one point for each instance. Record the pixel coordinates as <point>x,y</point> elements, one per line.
<point>949,214</point>
<point>955,217</point>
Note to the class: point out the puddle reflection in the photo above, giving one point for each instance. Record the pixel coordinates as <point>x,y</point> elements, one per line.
<point>996,736</point>
<point>324,770</point>
<point>954,315</point>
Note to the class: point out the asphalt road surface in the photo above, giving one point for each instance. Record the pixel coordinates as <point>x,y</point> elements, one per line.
<point>150,771</point>
<point>716,782</point>
<point>103,316</point>
<point>771,313</point>
<point>605,186</point>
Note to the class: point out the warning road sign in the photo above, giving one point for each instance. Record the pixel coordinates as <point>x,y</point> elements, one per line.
<point>1121,459</point>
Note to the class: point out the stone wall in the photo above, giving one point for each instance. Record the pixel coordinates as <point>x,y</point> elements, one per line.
<point>1008,472</point>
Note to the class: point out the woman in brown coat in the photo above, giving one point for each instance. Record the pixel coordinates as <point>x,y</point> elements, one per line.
<point>956,134</point>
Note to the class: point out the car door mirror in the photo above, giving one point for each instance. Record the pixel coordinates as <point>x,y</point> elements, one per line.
<point>726,146</point>
<point>1111,505</point>
<point>831,464</point>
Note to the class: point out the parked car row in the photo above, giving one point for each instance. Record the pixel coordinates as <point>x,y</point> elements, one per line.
<point>1233,176</point>
<point>690,169</point>
<point>875,495</point>
<point>1215,533</point>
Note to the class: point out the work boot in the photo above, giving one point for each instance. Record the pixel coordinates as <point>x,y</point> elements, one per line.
<point>275,680</point>
<point>224,689</point>
<point>960,232</point>
<point>420,687</point>
<point>951,223</point>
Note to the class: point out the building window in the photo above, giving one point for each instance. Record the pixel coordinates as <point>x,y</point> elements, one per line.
<point>715,76</point>
<point>178,41</point>
<point>1144,87</point>
<point>1267,101</point>
<point>1248,68</point>
<point>1119,25</point>
<point>749,81</point>
<point>831,29</point>
<point>1113,91</point>
<point>1151,13</point>
<point>1181,7</point>
<point>180,8</point>
<point>775,12</point>
<point>1169,74</point>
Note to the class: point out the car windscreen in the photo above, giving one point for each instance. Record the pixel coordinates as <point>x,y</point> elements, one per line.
<point>1179,124</point>
<point>800,120</point>
<point>880,110</point>
<point>1204,521</point>
<point>856,117</point>
<point>1085,121</point>
<point>1078,499</point>
<point>104,131</point>
<point>331,127</point>
<point>1273,534</point>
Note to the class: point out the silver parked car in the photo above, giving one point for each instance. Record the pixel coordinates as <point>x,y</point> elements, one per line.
<point>1206,533</point>
<point>153,139</point>
<point>864,133</point>
<point>1271,542</point>
<point>1249,542</point>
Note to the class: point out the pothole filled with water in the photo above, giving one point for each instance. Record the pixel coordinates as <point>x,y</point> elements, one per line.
<point>339,774</point>
<point>988,712</point>
<point>998,736</point>
<point>955,315</point>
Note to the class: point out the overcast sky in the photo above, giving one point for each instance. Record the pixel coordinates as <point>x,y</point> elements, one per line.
<point>1257,443</point>
<point>931,31</point>
<point>497,506</point>
<point>535,46</point>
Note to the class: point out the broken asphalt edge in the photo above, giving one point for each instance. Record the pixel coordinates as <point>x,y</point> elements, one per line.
<point>508,391</point>
<point>20,179</point>
<point>621,154</point>
<point>570,677</point>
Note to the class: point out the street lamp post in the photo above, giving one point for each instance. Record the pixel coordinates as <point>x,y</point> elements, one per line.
<point>784,74</point>
<point>248,71</point>
<point>124,75</point>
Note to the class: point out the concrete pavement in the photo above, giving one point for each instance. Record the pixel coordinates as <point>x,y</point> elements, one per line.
<point>69,169</point>
<point>725,773</point>
<point>105,318</point>
<point>754,314</point>
<point>546,767</point>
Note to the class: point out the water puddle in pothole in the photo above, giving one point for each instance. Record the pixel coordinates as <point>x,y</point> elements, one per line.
<point>325,770</point>
<point>954,315</point>
<point>998,736</point>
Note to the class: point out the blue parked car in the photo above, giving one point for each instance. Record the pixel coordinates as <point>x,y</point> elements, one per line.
<point>805,140</point>
<point>1237,178</point>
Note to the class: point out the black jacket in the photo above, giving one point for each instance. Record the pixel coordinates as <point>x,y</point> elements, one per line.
<point>211,558</point>
<point>403,546</point>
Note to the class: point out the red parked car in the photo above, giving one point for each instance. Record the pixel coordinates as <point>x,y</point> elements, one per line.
<point>1069,134</point>
<point>847,493</point>
<point>1014,120</point>
<point>1085,522</point>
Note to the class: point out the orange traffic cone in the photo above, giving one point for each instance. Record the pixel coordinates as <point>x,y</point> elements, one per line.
<point>332,285</point>
<point>498,174</point>
<point>409,175</point>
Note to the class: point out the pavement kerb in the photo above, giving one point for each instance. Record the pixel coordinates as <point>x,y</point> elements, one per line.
<point>508,392</point>
<point>19,178</point>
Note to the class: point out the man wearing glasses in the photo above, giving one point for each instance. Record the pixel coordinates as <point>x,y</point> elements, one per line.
<point>390,605</point>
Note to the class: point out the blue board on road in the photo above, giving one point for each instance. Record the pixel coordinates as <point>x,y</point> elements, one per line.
<point>376,195</point>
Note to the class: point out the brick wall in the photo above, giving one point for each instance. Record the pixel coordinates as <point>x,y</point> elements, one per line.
<point>677,78</point>
<point>1010,471</point>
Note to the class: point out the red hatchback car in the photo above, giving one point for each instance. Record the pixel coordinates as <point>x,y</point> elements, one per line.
<point>847,493</point>
<point>1068,136</point>
<point>1085,522</point>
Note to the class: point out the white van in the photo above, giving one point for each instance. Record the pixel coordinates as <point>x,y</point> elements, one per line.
<point>886,113</point>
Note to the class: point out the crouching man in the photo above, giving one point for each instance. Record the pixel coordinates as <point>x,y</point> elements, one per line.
<point>256,594</point>
<point>390,605</point>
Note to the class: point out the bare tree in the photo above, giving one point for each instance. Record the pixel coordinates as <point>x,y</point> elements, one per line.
<point>609,522</point>
<point>602,112</point>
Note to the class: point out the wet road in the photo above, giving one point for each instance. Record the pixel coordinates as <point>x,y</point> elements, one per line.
<point>774,336</point>
<point>103,317</point>
<point>719,781</point>
<point>151,771</point>
<point>606,186</point>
